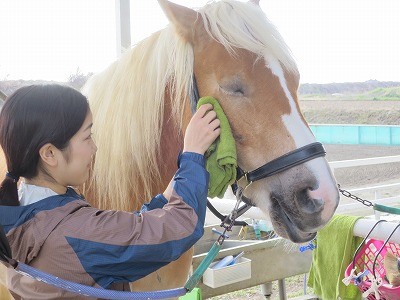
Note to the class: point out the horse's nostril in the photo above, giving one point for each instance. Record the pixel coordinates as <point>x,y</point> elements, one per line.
<point>318,204</point>
<point>309,205</point>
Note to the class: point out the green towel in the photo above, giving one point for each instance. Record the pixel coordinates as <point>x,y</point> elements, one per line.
<point>221,156</point>
<point>335,250</point>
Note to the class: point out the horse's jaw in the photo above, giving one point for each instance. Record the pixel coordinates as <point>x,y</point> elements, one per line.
<point>297,203</point>
<point>284,226</point>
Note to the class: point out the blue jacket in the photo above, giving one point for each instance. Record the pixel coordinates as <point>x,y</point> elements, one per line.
<point>65,236</point>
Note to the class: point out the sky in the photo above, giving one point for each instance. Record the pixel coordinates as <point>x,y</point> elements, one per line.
<point>332,40</point>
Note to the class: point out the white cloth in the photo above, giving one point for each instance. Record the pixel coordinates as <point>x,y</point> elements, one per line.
<point>29,193</point>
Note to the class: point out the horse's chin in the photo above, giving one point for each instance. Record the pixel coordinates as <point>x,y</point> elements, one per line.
<point>285,228</point>
<point>290,232</point>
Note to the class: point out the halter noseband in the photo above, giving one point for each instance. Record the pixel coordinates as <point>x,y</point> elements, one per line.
<point>282,163</point>
<point>278,165</point>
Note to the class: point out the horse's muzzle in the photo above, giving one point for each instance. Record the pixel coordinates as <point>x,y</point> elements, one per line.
<point>300,204</point>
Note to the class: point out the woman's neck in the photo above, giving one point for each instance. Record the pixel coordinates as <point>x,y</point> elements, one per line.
<point>54,186</point>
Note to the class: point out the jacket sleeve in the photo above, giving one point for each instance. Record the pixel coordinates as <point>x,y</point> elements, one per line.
<point>157,202</point>
<point>116,246</point>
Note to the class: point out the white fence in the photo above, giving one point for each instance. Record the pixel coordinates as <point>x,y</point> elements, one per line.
<point>364,162</point>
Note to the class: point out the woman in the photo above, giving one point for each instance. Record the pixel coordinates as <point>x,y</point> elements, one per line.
<point>45,132</point>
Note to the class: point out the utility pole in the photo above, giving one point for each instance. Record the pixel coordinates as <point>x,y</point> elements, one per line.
<point>122,18</point>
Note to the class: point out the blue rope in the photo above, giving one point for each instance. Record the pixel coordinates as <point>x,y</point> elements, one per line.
<point>96,292</point>
<point>90,291</point>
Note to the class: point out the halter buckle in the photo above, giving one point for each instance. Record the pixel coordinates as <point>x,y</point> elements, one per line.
<point>247,181</point>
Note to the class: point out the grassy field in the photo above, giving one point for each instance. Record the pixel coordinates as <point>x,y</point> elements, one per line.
<point>377,94</point>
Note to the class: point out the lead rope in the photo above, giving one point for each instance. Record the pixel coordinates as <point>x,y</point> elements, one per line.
<point>227,224</point>
<point>375,206</point>
<point>73,287</point>
<point>101,293</point>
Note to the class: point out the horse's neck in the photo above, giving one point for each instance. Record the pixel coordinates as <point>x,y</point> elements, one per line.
<point>170,145</point>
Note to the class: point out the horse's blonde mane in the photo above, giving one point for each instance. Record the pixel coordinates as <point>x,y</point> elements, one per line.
<point>244,25</point>
<point>127,99</point>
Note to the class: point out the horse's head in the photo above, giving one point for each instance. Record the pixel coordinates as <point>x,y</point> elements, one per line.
<point>241,60</point>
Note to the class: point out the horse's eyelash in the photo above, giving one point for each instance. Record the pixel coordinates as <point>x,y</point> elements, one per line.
<point>235,90</point>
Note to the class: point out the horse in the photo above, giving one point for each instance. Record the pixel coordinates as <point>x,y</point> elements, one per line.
<point>142,103</point>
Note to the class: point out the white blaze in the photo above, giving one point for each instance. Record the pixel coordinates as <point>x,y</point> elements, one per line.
<point>302,136</point>
<point>293,122</point>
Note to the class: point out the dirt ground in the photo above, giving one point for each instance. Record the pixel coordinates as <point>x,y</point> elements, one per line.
<point>351,112</point>
<point>366,175</point>
<point>349,105</point>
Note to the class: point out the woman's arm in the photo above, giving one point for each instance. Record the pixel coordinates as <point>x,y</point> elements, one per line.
<point>138,244</point>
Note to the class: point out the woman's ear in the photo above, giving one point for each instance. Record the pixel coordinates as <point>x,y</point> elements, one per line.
<point>48,155</point>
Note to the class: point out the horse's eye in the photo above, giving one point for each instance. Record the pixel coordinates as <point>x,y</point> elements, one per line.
<point>234,89</point>
<point>238,91</point>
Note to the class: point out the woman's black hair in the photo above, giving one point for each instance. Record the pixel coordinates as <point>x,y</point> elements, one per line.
<point>30,118</point>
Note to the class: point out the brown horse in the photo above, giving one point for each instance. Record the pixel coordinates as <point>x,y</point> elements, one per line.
<point>141,106</point>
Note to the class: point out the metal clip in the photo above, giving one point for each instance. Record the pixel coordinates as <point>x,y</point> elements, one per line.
<point>220,233</point>
<point>244,177</point>
<point>246,180</point>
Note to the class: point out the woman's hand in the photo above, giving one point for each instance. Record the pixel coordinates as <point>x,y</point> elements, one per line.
<point>202,130</point>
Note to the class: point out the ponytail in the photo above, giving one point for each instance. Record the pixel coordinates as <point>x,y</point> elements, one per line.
<point>9,191</point>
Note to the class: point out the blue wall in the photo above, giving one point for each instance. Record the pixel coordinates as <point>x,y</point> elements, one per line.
<point>357,134</point>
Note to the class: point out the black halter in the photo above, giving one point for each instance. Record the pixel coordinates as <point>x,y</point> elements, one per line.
<point>284,162</point>
<point>280,164</point>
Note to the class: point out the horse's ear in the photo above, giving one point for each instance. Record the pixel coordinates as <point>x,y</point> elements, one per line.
<point>182,17</point>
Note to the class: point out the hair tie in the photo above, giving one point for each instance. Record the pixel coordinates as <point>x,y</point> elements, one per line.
<point>12,176</point>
